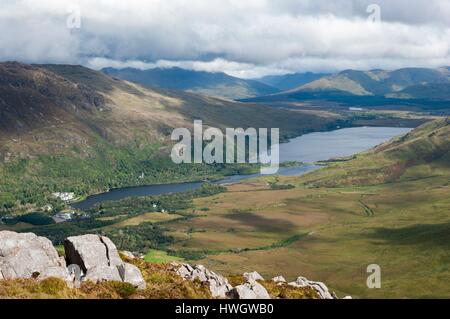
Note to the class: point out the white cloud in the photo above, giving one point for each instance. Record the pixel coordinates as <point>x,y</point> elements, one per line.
<point>242,38</point>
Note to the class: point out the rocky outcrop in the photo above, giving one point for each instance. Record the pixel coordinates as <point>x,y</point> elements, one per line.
<point>96,258</point>
<point>319,287</point>
<point>218,285</point>
<point>29,256</point>
<point>249,290</point>
<point>279,279</point>
<point>128,254</point>
<point>99,259</point>
<point>253,276</point>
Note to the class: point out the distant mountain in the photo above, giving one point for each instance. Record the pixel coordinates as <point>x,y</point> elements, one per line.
<point>429,91</point>
<point>207,83</point>
<point>377,82</point>
<point>290,81</point>
<point>375,87</point>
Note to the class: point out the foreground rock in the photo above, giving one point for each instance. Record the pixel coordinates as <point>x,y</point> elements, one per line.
<point>253,276</point>
<point>99,260</point>
<point>218,285</point>
<point>279,279</point>
<point>249,290</point>
<point>29,256</point>
<point>319,287</point>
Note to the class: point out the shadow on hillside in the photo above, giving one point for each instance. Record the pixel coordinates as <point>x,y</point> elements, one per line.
<point>261,223</point>
<point>425,234</point>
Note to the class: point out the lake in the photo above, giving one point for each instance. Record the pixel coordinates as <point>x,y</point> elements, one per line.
<point>308,148</point>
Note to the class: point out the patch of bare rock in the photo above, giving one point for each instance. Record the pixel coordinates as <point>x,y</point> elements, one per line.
<point>250,289</point>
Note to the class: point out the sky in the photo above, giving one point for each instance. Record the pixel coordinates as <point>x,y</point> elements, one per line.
<point>244,38</point>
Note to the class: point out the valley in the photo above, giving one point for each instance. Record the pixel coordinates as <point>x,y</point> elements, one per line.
<point>387,206</point>
<point>322,227</point>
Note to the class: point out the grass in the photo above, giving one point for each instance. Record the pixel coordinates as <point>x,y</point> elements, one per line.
<point>160,257</point>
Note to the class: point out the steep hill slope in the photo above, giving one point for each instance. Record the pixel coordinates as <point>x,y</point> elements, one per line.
<point>207,83</point>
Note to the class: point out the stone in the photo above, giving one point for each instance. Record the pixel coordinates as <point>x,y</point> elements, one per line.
<point>89,251</point>
<point>249,290</point>
<point>253,276</point>
<point>103,273</point>
<point>132,275</point>
<point>99,259</point>
<point>218,285</point>
<point>347,297</point>
<point>319,287</point>
<point>128,254</point>
<point>29,256</point>
<point>279,279</point>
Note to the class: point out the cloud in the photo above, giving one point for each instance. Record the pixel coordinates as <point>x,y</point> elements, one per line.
<point>243,38</point>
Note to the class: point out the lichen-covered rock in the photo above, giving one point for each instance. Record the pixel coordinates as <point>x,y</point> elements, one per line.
<point>249,290</point>
<point>218,285</point>
<point>319,287</point>
<point>29,256</point>
<point>99,260</point>
<point>253,276</point>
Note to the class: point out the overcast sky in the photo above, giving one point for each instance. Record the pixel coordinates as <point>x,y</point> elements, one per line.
<point>246,38</point>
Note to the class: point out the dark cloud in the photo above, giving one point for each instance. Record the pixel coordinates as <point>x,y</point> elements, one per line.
<point>246,38</point>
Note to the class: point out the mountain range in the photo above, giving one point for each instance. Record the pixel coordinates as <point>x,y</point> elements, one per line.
<point>349,86</point>
<point>291,81</point>
<point>388,87</point>
<point>207,83</point>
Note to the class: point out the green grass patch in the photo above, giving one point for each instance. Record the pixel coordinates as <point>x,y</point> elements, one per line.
<point>160,257</point>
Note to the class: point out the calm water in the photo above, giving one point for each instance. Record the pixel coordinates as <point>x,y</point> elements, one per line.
<point>345,142</point>
<point>307,148</point>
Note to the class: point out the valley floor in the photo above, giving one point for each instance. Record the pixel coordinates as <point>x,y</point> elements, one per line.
<point>330,234</point>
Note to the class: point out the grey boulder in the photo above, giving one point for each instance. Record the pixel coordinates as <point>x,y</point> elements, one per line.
<point>319,287</point>
<point>132,275</point>
<point>253,276</point>
<point>103,273</point>
<point>99,259</point>
<point>249,290</point>
<point>89,251</point>
<point>279,279</point>
<point>218,285</point>
<point>29,256</point>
